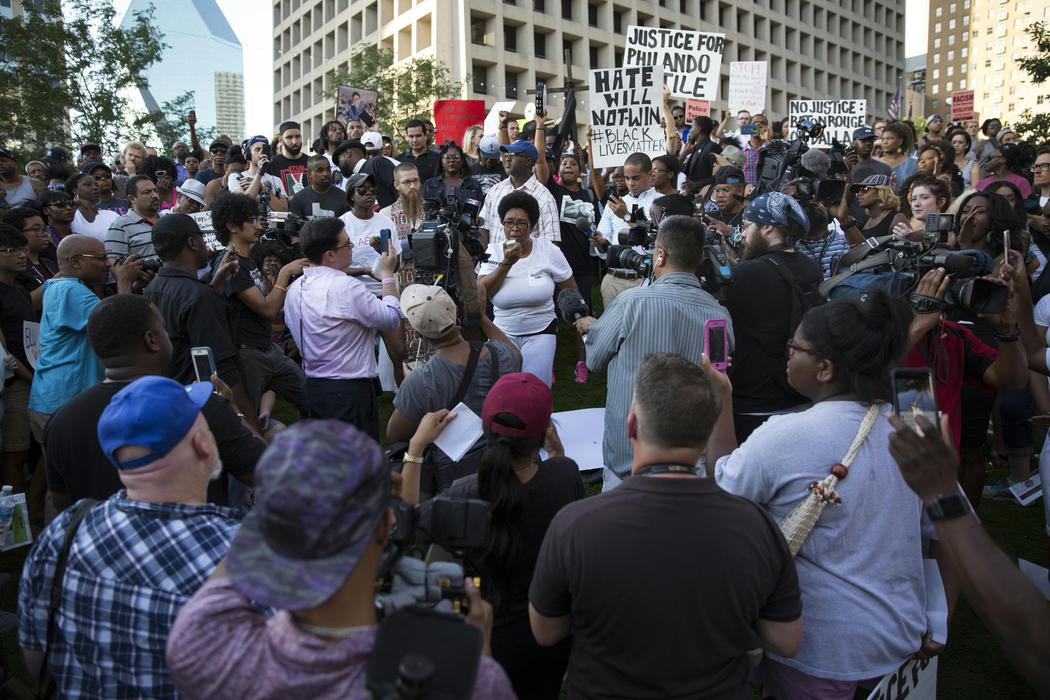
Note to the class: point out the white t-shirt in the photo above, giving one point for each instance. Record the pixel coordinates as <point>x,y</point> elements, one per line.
<point>525,303</point>
<point>361,232</point>
<point>269,183</point>
<point>97,228</point>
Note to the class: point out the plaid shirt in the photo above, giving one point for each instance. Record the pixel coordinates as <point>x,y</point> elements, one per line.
<point>131,567</point>
<point>751,162</point>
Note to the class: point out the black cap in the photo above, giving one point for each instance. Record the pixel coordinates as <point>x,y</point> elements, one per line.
<point>285,126</point>
<point>347,145</point>
<point>219,142</point>
<point>56,153</point>
<point>90,147</point>
<point>730,175</point>
<point>4,153</point>
<point>179,224</point>
<point>93,165</point>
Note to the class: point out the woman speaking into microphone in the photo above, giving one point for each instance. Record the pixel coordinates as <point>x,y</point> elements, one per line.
<point>520,277</point>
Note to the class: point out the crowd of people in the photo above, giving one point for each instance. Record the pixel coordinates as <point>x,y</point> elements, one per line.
<point>191,544</point>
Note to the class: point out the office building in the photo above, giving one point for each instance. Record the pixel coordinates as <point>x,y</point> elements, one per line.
<point>913,97</point>
<point>853,49</point>
<point>202,55</point>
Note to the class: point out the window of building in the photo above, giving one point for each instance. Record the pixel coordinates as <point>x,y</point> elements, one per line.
<point>480,76</point>
<point>962,83</point>
<point>592,14</point>
<point>512,85</point>
<point>989,30</point>
<point>948,86</point>
<point>936,73</point>
<point>950,72</point>
<point>566,9</point>
<point>963,52</point>
<point>936,58</point>
<point>510,38</point>
<point>951,40</point>
<point>539,5</point>
<point>937,28</point>
<point>566,48</point>
<point>966,4</point>
<point>936,43</point>
<point>938,11</point>
<point>951,24</point>
<point>595,63</point>
<point>617,22</point>
<point>951,9</point>
<point>962,68</point>
<point>951,56</point>
<point>1039,99</point>
<point>539,44</point>
<point>966,20</point>
<point>477,30</point>
<point>1010,107</point>
<point>935,89</point>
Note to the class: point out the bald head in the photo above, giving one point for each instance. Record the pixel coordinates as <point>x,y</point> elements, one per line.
<point>82,257</point>
<point>74,245</point>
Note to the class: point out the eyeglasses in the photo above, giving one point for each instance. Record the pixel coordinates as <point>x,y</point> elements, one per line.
<point>38,229</point>
<point>348,244</point>
<point>255,220</point>
<point>15,251</point>
<point>794,347</point>
<point>1041,168</point>
<point>451,156</point>
<point>102,257</point>
<point>63,204</point>
<point>516,225</point>
<point>865,188</point>
<point>411,181</point>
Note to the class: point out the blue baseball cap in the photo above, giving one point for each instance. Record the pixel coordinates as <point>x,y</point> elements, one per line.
<point>521,147</point>
<point>152,412</point>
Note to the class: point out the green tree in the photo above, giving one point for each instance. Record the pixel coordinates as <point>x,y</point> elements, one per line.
<point>406,91</point>
<point>170,124</point>
<point>1035,128</point>
<point>68,73</point>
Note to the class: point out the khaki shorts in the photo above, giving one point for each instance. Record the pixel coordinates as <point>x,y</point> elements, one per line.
<point>15,423</point>
<point>37,422</point>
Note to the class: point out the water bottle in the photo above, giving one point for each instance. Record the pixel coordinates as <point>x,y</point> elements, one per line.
<point>7,512</point>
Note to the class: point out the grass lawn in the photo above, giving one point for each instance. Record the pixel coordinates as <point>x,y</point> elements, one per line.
<point>972,667</point>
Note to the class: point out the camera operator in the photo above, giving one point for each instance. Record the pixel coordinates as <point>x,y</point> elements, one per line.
<point>524,494</point>
<point>680,632</point>
<point>254,304</point>
<point>311,548</point>
<point>667,316</point>
<point>727,217</point>
<point>458,371</point>
<point>773,286</point>
<point>625,220</point>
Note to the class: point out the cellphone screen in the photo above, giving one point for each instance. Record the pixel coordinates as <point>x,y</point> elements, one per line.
<point>716,344</point>
<point>913,395</point>
<point>384,240</point>
<point>203,365</point>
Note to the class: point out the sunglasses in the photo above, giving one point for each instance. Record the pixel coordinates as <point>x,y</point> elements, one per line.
<point>101,257</point>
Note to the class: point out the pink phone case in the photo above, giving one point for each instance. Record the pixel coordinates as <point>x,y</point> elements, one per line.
<point>717,323</point>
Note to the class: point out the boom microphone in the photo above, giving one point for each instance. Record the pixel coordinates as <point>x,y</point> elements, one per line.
<point>571,306</point>
<point>817,162</point>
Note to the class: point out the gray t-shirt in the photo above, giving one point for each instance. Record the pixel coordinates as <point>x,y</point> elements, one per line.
<point>432,386</point>
<point>861,569</point>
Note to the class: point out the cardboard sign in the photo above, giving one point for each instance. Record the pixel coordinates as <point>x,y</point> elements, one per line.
<point>31,341</point>
<point>691,61</point>
<point>962,105</point>
<point>453,117</point>
<point>625,114</point>
<point>747,86</point>
<point>839,117</point>
<point>915,680</point>
<point>356,104</point>
<point>203,219</point>
<point>696,108</point>
<point>492,119</point>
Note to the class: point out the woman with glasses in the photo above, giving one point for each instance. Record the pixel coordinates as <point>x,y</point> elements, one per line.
<point>520,278</point>
<point>42,264</point>
<point>58,209</point>
<point>863,602</point>
<point>89,219</point>
<point>1006,162</point>
<point>162,172</point>
<point>1039,220</point>
<point>454,173</point>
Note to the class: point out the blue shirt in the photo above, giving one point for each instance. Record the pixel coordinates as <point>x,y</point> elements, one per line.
<point>132,566</point>
<point>67,365</point>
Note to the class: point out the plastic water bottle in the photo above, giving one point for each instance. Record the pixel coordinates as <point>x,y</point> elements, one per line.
<point>7,512</point>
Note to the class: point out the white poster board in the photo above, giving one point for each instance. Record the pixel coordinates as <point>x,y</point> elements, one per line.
<point>747,86</point>
<point>203,219</point>
<point>840,118</point>
<point>31,341</point>
<point>691,61</point>
<point>492,118</point>
<point>625,114</point>
<point>915,680</point>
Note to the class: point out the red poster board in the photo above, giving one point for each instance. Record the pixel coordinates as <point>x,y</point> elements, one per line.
<point>452,117</point>
<point>962,105</point>
<point>696,108</point>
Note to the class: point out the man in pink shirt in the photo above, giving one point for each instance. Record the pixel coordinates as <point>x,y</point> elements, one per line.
<point>333,319</point>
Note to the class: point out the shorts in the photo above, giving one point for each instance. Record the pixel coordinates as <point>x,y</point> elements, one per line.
<point>37,423</point>
<point>16,416</point>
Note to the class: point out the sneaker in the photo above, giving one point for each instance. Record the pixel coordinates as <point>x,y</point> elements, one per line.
<point>1000,490</point>
<point>581,372</point>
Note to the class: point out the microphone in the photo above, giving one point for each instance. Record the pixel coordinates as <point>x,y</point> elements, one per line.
<point>816,162</point>
<point>571,306</point>
<point>584,225</point>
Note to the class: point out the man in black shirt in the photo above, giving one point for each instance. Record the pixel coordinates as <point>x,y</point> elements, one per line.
<point>128,335</point>
<point>254,305</point>
<point>427,162</point>
<point>683,631</point>
<point>194,313</point>
<point>727,195</point>
<point>320,198</point>
<point>216,164</point>
<point>16,307</point>
<point>698,153</point>
<point>290,162</point>
<point>773,286</point>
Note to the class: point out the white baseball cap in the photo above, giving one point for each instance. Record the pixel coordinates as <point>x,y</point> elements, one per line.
<point>372,140</point>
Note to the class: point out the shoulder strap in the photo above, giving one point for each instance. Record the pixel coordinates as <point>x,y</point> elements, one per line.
<point>876,260</point>
<point>797,297</point>
<point>468,375</point>
<point>55,601</point>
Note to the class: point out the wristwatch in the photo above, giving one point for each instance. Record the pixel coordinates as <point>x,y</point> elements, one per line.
<point>953,505</point>
<point>627,218</point>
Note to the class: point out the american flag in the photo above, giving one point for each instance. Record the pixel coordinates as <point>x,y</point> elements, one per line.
<point>893,111</point>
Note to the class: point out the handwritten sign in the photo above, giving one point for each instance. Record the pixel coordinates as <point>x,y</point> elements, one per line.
<point>625,114</point>
<point>962,105</point>
<point>203,219</point>
<point>696,108</point>
<point>691,61</point>
<point>747,86</point>
<point>839,117</point>
<point>453,117</point>
<point>915,680</point>
<point>31,341</point>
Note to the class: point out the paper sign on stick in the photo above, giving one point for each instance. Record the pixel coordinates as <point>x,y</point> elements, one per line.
<point>691,61</point>
<point>625,114</point>
<point>747,86</point>
<point>696,108</point>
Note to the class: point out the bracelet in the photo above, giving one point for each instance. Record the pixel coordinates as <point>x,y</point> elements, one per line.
<point>283,289</point>
<point>1012,338</point>
<point>412,458</point>
<point>505,264</point>
<point>389,280</point>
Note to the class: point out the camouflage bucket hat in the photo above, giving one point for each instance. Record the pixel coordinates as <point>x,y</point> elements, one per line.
<point>321,490</point>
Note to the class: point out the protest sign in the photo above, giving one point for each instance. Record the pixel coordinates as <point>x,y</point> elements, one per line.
<point>839,117</point>
<point>747,86</point>
<point>203,219</point>
<point>962,105</point>
<point>357,104</point>
<point>453,117</point>
<point>492,119</point>
<point>915,680</point>
<point>31,341</point>
<point>696,108</point>
<point>691,61</point>
<point>625,114</point>
<point>17,534</point>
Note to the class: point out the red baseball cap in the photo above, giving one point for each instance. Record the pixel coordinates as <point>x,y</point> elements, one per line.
<point>522,395</point>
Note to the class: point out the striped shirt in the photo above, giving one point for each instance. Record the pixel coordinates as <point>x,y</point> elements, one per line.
<point>548,227</point>
<point>130,234</point>
<point>825,250</point>
<point>667,316</point>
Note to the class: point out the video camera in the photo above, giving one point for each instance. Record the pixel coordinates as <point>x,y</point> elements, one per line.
<point>716,271</point>
<point>281,237</point>
<point>447,225</point>
<point>779,163</point>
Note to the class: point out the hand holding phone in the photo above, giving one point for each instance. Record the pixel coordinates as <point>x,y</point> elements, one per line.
<point>716,343</point>
<point>384,240</point>
<point>914,395</point>
<point>203,363</point>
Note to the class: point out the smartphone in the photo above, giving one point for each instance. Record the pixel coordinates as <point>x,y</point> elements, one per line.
<point>384,240</point>
<point>716,343</point>
<point>913,396</point>
<point>747,129</point>
<point>541,96</point>
<point>203,363</point>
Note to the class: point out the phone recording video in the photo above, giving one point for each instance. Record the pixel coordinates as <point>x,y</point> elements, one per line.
<point>913,396</point>
<point>716,344</point>
<point>203,363</point>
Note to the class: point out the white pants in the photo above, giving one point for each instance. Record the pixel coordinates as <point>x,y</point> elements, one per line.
<point>537,354</point>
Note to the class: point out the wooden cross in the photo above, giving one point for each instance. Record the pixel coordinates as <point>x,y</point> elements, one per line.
<point>569,87</point>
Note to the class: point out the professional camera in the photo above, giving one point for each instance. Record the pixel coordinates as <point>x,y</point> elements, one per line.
<point>151,263</point>
<point>715,272</point>
<point>625,256</point>
<point>779,163</point>
<point>448,225</point>
<point>281,237</point>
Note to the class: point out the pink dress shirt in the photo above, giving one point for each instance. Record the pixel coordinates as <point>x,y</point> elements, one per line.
<point>333,318</point>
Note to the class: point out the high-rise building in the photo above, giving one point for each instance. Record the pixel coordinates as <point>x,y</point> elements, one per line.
<point>202,54</point>
<point>852,49</point>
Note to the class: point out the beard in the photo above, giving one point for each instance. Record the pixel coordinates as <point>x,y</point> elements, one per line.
<point>754,247</point>
<point>412,204</point>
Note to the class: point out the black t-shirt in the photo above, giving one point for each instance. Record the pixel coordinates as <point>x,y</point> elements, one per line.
<point>246,326</point>
<point>16,307</point>
<point>77,467</point>
<point>428,164</point>
<point>761,302</point>
<point>292,173</point>
<point>664,579</point>
<point>308,204</point>
<point>35,275</point>
<point>556,484</point>
<point>575,244</point>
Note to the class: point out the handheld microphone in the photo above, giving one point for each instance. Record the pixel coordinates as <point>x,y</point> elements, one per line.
<point>584,225</point>
<point>571,306</point>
